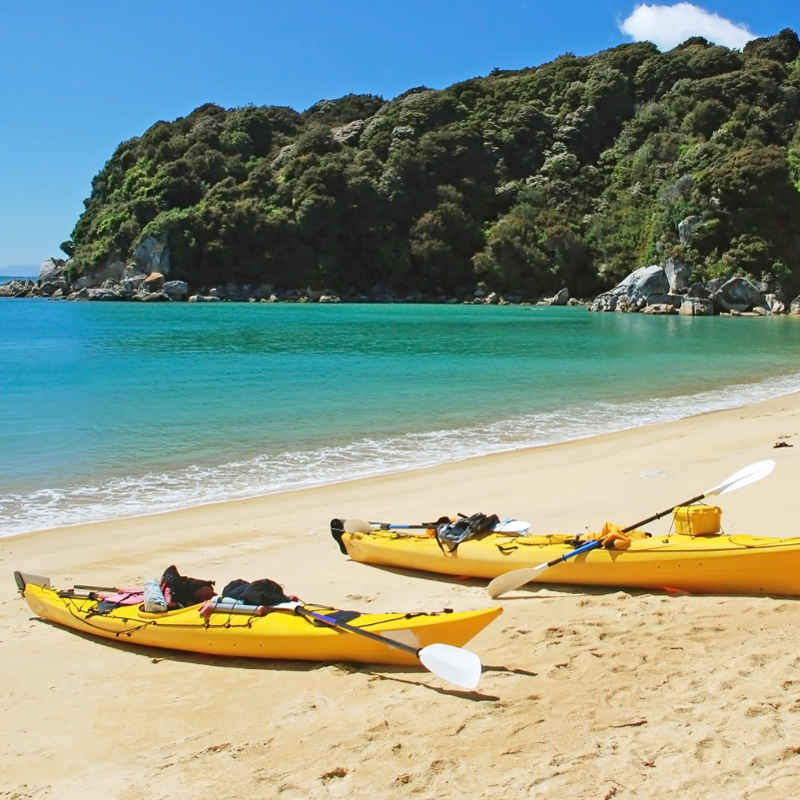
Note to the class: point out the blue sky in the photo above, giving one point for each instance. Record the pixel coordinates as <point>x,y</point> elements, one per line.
<point>80,77</point>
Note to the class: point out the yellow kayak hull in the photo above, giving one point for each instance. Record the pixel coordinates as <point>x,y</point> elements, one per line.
<point>277,635</point>
<point>719,564</point>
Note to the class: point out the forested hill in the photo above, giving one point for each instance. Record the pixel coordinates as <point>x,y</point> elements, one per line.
<point>572,174</point>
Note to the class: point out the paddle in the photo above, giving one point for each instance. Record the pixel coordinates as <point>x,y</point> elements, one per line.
<point>516,578</point>
<point>95,588</point>
<point>454,664</point>
<point>362,526</point>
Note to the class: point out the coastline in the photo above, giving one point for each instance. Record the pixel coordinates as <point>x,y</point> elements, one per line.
<point>411,453</point>
<point>437,475</point>
<point>589,692</point>
<point>319,414</point>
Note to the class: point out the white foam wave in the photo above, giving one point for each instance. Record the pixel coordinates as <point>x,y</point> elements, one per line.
<point>193,485</point>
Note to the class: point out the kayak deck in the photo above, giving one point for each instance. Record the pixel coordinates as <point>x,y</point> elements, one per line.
<point>717,564</point>
<point>279,634</point>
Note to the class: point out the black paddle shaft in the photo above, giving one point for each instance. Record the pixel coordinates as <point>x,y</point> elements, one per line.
<point>596,542</point>
<point>662,513</point>
<point>334,623</point>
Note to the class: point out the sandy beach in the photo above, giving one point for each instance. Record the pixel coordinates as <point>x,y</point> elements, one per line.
<point>585,693</point>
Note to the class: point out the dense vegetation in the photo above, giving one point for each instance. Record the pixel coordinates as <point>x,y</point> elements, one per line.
<point>572,174</point>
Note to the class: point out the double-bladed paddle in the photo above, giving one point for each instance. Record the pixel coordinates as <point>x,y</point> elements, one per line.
<point>454,664</point>
<point>516,578</point>
<point>362,526</point>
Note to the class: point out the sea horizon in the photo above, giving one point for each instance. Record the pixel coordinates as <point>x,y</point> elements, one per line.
<point>121,410</point>
<point>18,277</point>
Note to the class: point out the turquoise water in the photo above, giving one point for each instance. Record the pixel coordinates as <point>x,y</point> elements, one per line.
<point>115,409</point>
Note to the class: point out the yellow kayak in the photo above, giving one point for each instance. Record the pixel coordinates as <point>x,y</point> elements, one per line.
<point>716,564</point>
<point>276,634</point>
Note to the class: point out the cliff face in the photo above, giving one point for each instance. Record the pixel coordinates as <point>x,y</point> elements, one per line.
<point>573,173</point>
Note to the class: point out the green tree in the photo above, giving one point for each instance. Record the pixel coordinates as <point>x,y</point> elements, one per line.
<point>574,172</point>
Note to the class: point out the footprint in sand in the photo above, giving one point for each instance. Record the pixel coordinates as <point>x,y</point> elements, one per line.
<point>702,749</point>
<point>794,708</point>
<point>513,632</point>
<point>556,633</point>
<point>759,710</point>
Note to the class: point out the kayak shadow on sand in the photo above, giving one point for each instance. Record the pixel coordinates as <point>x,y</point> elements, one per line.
<point>467,694</point>
<point>436,577</point>
<point>536,591</point>
<point>527,592</point>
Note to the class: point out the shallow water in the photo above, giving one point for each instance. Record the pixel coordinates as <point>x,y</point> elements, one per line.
<point>114,409</point>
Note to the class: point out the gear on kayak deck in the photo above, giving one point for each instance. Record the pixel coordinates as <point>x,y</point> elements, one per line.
<point>449,535</point>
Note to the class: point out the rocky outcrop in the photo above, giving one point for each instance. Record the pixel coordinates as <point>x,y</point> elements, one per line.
<point>696,307</point>
<point>632,293</point>
<point>142,279</point>
<point>640,292</point>
<point>654,289</point>
<point>132,284</point>
<point>737,294</point>
<point>154,297</point>
<point>176,290</point>
<point>109,292</point>
<point>774,304</point>
<point>560,298</point>
<point>686,229</point>
<point>154,282</point>
<point>51,270</point>
<point>152,255</point>
<point>349,133</point>
<point>283,157</point>
<point>659,308</point>
<point>113,270</point>
<point>114,280</point>
<point>678,275</point>
<point>17,288</point>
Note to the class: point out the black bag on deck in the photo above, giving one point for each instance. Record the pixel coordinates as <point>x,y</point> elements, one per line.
<point>453,533</point>
<point>235,589</point>
<point>184,591</point>
<point>263,592</point>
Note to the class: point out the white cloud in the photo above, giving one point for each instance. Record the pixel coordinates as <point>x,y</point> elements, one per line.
<point>668,26</point>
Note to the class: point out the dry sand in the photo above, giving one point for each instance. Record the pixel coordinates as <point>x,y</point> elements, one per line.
<point>585,693</point>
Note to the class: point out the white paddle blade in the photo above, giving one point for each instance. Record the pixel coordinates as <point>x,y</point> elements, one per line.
<point>512,526</point>
<point>357,526</point>
<point>744,477</point>
<point>454,664</point>
<point>514,579</point>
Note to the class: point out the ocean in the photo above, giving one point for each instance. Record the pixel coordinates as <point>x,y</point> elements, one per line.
<point>118,409</point>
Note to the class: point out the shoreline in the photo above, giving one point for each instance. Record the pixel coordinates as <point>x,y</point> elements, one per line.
<point>718,400</point>
<point>610,689</point>
<point>467,464</point>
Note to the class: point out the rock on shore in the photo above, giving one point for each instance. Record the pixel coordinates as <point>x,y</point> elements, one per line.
<point>653,289</point>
